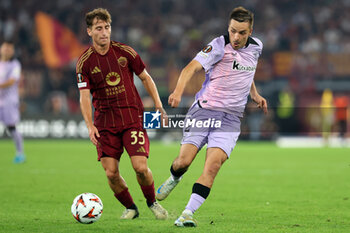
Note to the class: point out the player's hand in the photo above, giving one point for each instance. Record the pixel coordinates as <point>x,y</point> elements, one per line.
<point>174,100</point>
<point>261,102</point>
<point>93,134</point>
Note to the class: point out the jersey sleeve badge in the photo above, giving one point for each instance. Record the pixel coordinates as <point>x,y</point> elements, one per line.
<point>207,49</point>
<point>81,81</point>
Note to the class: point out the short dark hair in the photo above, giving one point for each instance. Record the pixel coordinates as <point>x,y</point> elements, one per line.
<point>241,14</point>
<point>8,41</point>
<point>99,13</point>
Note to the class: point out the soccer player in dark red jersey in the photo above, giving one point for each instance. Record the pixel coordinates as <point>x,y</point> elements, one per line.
<point>105,71</point>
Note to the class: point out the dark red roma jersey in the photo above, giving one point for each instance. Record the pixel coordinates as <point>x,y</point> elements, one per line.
<point>110,80</point>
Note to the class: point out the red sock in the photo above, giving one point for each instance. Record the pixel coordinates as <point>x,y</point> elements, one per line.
<point>148,192</point>
<point>125,198</point>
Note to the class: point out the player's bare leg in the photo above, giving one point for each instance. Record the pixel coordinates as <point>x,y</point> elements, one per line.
<point>115,180</point>
<point>143,173</point>
<point>187,154</point>
<point>214,160</point>
<point>178,168</point>
<point>119,187</point>
<point>145,179</point>
<point>200,191</point>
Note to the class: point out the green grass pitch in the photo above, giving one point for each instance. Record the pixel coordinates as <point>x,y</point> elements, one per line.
<point>261,188</point>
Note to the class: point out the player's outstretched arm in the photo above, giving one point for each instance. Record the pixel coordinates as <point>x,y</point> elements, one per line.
<point>257,98</point>
<point>86,110</point>
<point>186,74</point>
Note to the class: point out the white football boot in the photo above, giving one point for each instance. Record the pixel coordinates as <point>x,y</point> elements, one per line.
<point>159,211</point>
<point>185,220</point>
<point>129,214</point>
<point>164,190</point>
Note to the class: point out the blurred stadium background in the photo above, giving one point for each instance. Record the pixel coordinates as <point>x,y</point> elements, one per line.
<point>264,189</point>
<point>306,50</point>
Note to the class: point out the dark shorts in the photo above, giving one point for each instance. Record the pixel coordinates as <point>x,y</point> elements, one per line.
<point>111,144</point>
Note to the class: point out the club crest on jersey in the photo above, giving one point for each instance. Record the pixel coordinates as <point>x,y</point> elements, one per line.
<point>207,49</point>
<point>113,78</point>
<point>122,61</point>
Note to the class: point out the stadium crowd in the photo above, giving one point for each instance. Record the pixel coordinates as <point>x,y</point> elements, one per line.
<point>306,44</point>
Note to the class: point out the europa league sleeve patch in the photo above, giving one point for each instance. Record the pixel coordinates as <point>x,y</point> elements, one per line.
<point>81,81</point>
<point>80,78</point>
<point>207,49</point>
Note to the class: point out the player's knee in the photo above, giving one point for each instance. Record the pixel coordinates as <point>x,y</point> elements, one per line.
<point>141,170</point>
<point>181,163</point>
<point>113,176</point>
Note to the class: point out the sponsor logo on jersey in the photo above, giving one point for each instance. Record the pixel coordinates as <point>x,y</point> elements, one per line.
<point>113,78</point>
<point>116,90</point>
<point>237,66</point>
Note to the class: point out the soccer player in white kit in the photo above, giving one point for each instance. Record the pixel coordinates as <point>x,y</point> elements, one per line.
<point>10,73</point>
<point>229,63</point>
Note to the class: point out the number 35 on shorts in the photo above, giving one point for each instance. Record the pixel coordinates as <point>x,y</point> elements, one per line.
<point>137,137</point>
<point>136,142</point>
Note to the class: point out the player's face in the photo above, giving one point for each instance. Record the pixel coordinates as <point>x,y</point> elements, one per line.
<point>239,33</point>
<point>100,32</point>
<point>7,51</point>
